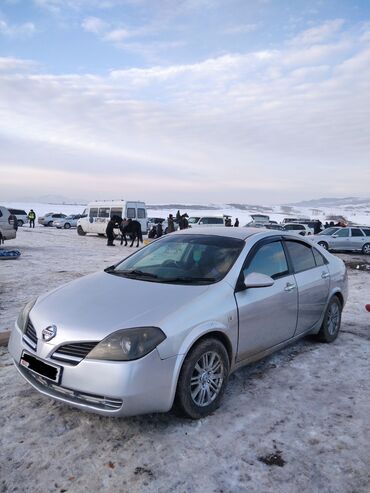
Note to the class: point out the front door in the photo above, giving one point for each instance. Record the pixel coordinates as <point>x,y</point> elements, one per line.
<point>267,316</point>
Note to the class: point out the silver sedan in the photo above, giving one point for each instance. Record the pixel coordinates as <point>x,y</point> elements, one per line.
<point>165,327</point>
<point>355,238</point>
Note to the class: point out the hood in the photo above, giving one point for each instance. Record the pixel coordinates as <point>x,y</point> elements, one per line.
<point>94,306</point>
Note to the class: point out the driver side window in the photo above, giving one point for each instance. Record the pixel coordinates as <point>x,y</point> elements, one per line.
<point>270,260</point>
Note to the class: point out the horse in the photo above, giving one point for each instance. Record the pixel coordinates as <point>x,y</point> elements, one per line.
<point>133,229</point>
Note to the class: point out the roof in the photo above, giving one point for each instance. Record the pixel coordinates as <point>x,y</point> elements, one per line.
<point>231,232</point>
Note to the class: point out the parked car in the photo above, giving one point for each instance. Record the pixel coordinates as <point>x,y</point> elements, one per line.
<point>301,229</point>
<point>50,217</point>
<point>346,239</point>
<point>8,225</point>
<point>67,222</point>
<point>232,296</point>
<point>21,215</point>
<point>199,221</point>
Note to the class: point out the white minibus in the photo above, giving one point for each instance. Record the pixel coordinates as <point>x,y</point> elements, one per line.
<point>97,215</point>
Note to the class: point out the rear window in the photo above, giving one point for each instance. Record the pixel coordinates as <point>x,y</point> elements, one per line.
<point>357,232</point>
<point>366,231</point>
<point>141,213</point>
<point>116,211</point>
<point>301,256</point>
<point>319,259</point>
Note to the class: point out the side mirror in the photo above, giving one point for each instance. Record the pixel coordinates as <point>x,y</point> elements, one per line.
<point>253,280</point>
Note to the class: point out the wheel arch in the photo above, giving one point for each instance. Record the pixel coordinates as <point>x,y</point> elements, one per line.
<point>215,333</point>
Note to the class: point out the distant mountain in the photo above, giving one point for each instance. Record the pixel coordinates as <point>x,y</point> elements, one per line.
<point>333,202</point>
<point>59,200</point>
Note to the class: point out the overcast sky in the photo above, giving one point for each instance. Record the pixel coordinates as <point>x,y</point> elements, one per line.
<point>185,100</point>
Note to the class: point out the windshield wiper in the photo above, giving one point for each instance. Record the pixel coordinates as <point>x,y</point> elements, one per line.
<point>189,280</point>
<point>133,273</point>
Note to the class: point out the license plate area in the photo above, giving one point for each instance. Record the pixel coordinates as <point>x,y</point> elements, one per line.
<point>38,366</point>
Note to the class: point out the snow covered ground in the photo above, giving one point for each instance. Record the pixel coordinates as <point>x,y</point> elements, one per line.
<point>297,421</point>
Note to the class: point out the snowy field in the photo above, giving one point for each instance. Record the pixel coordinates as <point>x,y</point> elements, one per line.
<point>298,421</point>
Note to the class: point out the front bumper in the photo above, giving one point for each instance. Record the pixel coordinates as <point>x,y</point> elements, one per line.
<point>110,388</point>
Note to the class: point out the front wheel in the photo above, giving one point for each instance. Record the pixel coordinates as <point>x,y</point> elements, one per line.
<point>67,226</point>
<point>80,231</point>
<point>366,249</point>
<point>203,379</point>
<point>323,244</point>
<point>331,324</point>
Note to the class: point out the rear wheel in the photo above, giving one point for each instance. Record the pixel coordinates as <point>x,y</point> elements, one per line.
<point>203,379</point>
<point>50,223</point>
<point>366,249</point>
<point>80,231</point>
<point>331,324</point>
<point>20,223</point>
<point>323,244</point>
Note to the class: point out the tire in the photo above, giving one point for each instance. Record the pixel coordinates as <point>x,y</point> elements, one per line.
<point>331,324</point>
<point>323,244</point>
<point>366,249</point>
<point>67,226</point>
<point>80,231</point>
<point>195,397</point>
<point>20,223</point>
<point>50,223</point>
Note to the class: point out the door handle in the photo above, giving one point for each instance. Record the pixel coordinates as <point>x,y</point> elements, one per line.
<point>325,275</point>
<point>289,287</point>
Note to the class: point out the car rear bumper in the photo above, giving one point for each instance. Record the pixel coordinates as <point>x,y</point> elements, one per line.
<point>109,388</point>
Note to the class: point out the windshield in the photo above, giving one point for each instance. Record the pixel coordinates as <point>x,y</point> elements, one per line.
<point>193,220</point>
<point>182,259</point>
<point>328,231</point>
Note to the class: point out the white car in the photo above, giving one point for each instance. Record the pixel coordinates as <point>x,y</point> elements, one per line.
<point>67,222</point>
<point>300,229</point>
<point>21,215</point>
<point>7,225</point>
<point>198,221</point>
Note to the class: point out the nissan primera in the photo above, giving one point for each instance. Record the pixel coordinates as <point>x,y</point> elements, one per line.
<point>165,327</point>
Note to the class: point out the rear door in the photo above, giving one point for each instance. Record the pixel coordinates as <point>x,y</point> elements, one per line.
<point>267,316</point>
<point>313,281</point>
<point>357,239</point>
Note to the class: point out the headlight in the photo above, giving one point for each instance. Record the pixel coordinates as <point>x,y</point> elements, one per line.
<point>22,319</point>
<point>128,344</point>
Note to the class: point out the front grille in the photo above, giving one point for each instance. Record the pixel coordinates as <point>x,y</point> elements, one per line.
<point>74,353</point>
<point>30,336</point>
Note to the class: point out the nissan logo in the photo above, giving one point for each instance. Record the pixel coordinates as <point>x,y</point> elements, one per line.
<point>49,333</point>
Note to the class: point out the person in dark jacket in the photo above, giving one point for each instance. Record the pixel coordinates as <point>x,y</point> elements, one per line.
<point>110,231</point>
<point>31,217</point>
<point>184,223</point>
<point>236,224</point>
<point>178,216</point>
<point>159,230</point>
<point>171,224</point>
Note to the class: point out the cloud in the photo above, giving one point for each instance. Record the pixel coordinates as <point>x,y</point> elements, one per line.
<point>318,34</point>
<point>289,121</point>
<point>16,30</point>
<point>94,25</point>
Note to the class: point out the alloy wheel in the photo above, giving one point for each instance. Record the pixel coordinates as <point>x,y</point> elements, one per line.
<point>206,380</point>
<point>333,317</point>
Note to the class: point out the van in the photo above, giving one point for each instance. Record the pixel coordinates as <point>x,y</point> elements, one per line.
<point>8,225</point>
<point>97,215</point>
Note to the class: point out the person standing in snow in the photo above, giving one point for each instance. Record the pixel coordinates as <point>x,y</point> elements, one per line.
<point>31,217</point>
<point>171,224</point>
<point>110,231</point>
<point>184,224</point>
<point>178,216</point>
<point>236,224</point>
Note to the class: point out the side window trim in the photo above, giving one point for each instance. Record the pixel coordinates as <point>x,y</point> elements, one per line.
<point>290,262</point>
<point>256,247</point>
